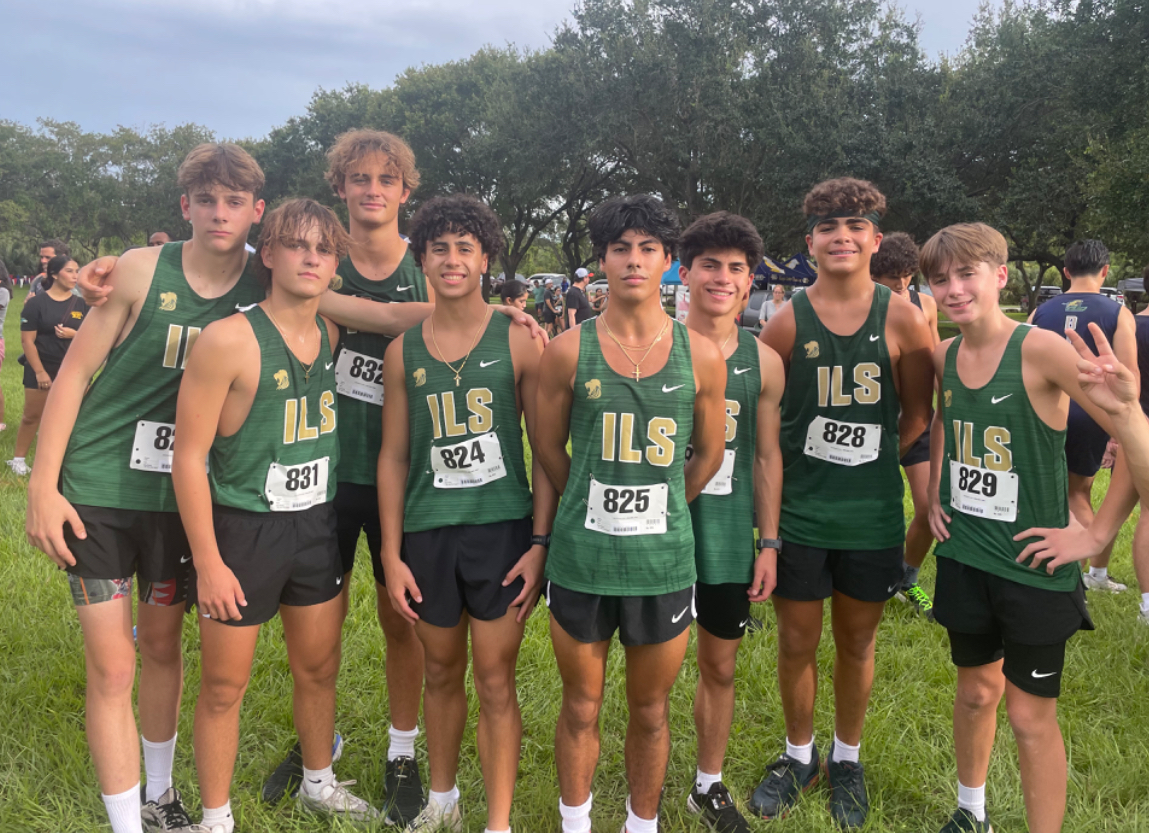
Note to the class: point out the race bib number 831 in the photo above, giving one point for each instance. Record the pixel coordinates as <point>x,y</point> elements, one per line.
<point>298,487</point>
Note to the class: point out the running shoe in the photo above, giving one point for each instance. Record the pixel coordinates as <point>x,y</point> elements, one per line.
<point>716,809</point>
<point>754,625</point>
<point>782,785</point>
<point>404,791</point>
<point>336,801</point>
<point>1143,616</point>
<point>849,804</point>
<point>1106,584</point>
<point>167,813</point>
<point>289,774</point>
<point>19,467</point>
<point>432,819</point>
<point>917,598</point>
<point>962,821</point>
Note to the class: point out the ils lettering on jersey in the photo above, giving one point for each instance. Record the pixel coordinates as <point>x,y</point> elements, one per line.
<point>626,510</point>
<point>444,420</point>
<point>297,425</point>
<point>983,486</point>
<point>733,408</point>
<point>359,377</point>
<point>619,441</point>
<point>867,385</point>
<point>178,346</point>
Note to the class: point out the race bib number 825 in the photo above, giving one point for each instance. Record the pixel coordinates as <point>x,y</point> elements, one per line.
<point>627,510</point>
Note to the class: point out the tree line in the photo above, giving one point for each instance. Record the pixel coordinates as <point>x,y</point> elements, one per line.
<point>1038,125</point>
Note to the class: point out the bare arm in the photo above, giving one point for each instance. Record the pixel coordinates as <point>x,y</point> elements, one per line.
<point>915,372</point>
<point>709,436</point>
<point>938,517</point>
<point>555,397</point>
<point>31,354</point>
<point>767,470</point>
<point>779,333</point>
<point>373,316</point>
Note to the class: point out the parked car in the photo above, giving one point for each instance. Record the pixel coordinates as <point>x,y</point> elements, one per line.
<point>1114,293</point>
<point>542,277</point>
<point>1044,293</point>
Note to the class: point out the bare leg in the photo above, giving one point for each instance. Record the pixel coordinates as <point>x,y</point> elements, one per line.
<point>979,690</point>
<point>1041,752</point>
<point>714,699</point>
<point>919,539</point>
<point>160,631</point>
<point>1141,551</point>
<point>225,668</point>
<point>495,652</point>
<point>582,667</point>
<point>404,660</point>
<point>1081,498</point>
<point>34,400</point>
<point>799,631</point>
<point>855,625</point>
<point>445,697</point>
<point>313,636</point>
<point>650,673</point>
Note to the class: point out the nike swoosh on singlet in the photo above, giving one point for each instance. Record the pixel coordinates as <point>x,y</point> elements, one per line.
<point>403,288</point>
<point>185,560</point>
<point>738,371</point>
<point>328,366</point>
<point>488,364</point>
<point>242,308</point>
<point>666,389</point>
<point>675,619</point>
<point>1037,676</point>
<point>995,399</point>
<point>874,338</point>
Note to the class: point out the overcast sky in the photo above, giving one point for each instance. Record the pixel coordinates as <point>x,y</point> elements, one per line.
<point>241,67</point>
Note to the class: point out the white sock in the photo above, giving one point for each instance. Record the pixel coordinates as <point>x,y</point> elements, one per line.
<point>489,830</point>
<point>704,780</point>
<point>972,799</point>
<point>158,758</point>
<point>445,800</point>
<point>802,754</point>
<point>1099,572</point>
<point>845,752</point>
<point>637,824</point>
<point>124,811</point>
<point>576,819</point>
<point>17,459</point>
<point>314,780</point>
<point>1145,602</point>
<point>219,817</point>
<point>402,743</point>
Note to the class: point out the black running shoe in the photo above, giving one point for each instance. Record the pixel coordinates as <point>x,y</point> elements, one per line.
<point>286,778</point>
<point>716,809</point>
<point>963,821</point>
<point>754,625</point>
<point>782,785</point>
<point>404,791</point>
<point>167,813</point>
<point>849,804</point>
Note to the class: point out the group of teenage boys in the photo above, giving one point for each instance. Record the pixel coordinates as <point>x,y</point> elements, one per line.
<point>671,445</point>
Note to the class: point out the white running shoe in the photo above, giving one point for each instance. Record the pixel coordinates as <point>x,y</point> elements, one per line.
<point>434,818</point>
<point>336,800</point>
<point>1143,616</point>
<point>1107,584</point>
<point>19,467</point>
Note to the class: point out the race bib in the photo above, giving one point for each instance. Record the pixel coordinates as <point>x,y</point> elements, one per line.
<point>843,443</point>
<point>153,446</point>
<point>295,488</point>
<point>723,482</point>
<point>471,463</point>
<point>983,493</point>
<point>359,377</point>
<point>627,510</point>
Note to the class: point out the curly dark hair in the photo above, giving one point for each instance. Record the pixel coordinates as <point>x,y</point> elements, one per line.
<point>1086,257</point>
<point>897,256</point>
<point>717,231</point>
<point>455,214</point>
<point>640,212</point>
<point>844,194</point>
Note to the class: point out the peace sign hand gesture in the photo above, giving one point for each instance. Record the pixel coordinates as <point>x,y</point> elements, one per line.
<point>1109,384</point>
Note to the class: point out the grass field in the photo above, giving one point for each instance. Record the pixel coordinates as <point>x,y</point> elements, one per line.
<point>47,784</point>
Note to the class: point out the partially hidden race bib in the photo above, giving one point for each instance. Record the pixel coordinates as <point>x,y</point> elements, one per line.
<point>723,482</point>
<point>843,443</point>
<point>627,510</point>
<point>359,377</point>
<point>298,487</point>
<point>153,446</point>
<point>471,463</point>
<point>983,493</point>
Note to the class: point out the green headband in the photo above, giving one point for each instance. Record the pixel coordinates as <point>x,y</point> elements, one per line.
<point>813,219</point>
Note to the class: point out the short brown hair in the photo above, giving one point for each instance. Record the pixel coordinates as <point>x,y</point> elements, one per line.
<point>717,231</point>
<point>220,163</point>
<point>290,221</point>
<point>966,244</point>
<point>897,256</point>
<point>833,196</point>
<point>352,146</point>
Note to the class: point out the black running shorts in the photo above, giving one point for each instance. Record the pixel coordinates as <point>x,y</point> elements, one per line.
<point>122,543</point>
<point>30,382</point>
<point>461,568</point>
<point>808,574</point>
<point>919,452</point>
<point>1085,443</point>
<point>357,510</point>
<point>280,558</point>
<point>639,620</point>
<point>723,609</point>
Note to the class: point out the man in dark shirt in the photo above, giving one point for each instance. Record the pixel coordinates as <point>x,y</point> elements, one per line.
<point>578,308</point>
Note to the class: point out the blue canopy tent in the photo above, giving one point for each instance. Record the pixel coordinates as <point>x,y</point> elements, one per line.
<point>797,271</point>
<point>670,276</point>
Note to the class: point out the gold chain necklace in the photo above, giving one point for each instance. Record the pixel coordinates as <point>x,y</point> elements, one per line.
<point>466,357</point>
<point>722,349</point>
<point>306,367</point>
<point>624,348</point>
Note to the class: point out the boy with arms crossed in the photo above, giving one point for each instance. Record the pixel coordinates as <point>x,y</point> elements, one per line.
<point>254,472</point>
<point>718,256</point>
<point>857,396</point>
<point>110,448</point>
<point>998,465</point>
<point>461,551</point>
<point>630,389</point>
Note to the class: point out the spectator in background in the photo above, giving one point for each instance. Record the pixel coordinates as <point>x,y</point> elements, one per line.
<point>598,302</point>
<point>48,324</point>
<point>514,294</point>
<point>553,308</point>
<point>540,294</point>
<point>159,238</point>
<point>48,250</point>
<point>776,302</point>
<point>6,291</point>
<point>578,308</point>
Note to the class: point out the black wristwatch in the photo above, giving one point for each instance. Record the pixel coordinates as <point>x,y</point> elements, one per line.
<point>541,540</point>
<point>769,544</point>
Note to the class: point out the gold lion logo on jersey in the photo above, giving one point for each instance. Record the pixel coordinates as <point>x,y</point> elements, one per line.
<point>77,314</point>
<point>420,377</point>
<point>281,381</point>
<point>167,301</point>
<point>811,349</point>
<point>337,282</point>
<point>1076,305</point>
<point>949,398</point>
<point>593,389</point>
